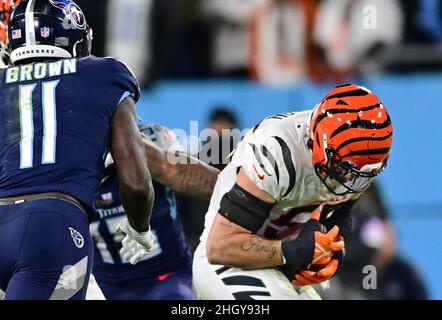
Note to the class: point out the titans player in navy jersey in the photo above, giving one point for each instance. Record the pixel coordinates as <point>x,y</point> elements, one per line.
<point>166,273</point>
<point>60,112</point>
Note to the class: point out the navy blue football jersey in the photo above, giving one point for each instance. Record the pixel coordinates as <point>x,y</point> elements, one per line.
<point>170,252</point>
<point>55,123</point>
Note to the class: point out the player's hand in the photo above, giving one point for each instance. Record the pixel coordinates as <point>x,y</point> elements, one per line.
<point>136,245</point>
<point>311,246</point>
<point>309,277</point>
<point>317,273</point>
<point>326,244</point>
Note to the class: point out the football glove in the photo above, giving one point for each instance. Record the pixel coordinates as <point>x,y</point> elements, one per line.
<point>326,244</point>
<point>317,274</point>
<point>136,245</point>
<point>311,247</point>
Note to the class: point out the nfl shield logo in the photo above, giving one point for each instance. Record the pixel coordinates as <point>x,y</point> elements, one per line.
<point>44,32</point>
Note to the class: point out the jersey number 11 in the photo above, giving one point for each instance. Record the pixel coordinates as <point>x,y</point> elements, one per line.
<point>27,123</point>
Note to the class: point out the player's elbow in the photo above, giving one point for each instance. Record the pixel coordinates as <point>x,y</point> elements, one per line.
<point>214,252</point>
<point>163,172</point>
<point>219,249</point>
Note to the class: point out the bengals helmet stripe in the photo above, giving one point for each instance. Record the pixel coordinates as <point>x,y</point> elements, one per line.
<point>362,139</point>
<point>341,110</point>
<point>343,85</point>
<point>367,152</point>
<point>350,135</point>
<point>350,93</point>
<point>361,124</point>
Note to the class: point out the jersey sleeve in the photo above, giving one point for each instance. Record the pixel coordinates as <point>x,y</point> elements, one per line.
<point>120,83</point>
<point>126,81</point>
<point>263,161</point>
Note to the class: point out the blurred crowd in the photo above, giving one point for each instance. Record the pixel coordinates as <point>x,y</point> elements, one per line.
<point>276,42</point>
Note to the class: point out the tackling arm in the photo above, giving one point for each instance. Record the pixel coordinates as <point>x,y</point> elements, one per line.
<point>186,174</point>
<point>136,188</point>
<point>234,245</point>
<point>242,211</point>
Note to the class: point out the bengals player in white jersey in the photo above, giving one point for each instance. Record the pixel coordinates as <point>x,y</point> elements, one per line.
<point>281,210</point>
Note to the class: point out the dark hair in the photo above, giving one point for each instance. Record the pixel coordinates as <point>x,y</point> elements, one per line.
<point>223,113</point>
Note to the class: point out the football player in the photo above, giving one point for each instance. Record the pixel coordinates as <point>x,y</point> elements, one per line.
<point>281,210</point>
<point>166,273</point>
<point>61,111</point>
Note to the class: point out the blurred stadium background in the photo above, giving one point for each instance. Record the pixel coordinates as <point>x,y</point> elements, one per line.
<point>246,59</point>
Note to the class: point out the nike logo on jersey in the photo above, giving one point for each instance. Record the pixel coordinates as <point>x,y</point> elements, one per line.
<point>165,276</point>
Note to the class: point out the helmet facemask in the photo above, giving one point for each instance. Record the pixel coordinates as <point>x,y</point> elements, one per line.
<point>343,177</point>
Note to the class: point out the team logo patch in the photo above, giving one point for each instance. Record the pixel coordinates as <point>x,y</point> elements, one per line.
<point>72,11</point>
<point>77,237</point>
<point>16,34</point>
<point>77,16</point>
<point>44,32</point>
<point>107,198</point>
<point>60,4</point>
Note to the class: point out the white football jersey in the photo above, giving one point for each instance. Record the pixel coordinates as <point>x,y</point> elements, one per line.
<point>275,156</point>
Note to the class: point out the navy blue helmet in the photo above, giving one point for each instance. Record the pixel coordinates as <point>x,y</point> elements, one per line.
<point>48,29</point>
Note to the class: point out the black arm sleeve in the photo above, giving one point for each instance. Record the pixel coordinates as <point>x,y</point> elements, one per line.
<point>244,209</point>
<point>342,218</point>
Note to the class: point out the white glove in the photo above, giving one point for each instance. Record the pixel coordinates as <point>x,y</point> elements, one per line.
<point>136,245</point>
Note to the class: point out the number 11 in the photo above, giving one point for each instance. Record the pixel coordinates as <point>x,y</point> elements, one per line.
<point>27,123</point>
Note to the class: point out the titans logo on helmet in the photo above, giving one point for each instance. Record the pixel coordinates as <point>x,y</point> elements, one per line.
<point>77,237</point>
<point>72,10</point>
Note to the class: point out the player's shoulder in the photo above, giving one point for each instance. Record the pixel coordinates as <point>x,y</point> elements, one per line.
<point>272,152</point>
<point>109,64</point>
<point>113,75</point>
<point>283,124</point>
<point>284,130</point>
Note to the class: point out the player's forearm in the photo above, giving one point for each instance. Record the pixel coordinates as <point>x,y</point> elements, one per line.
<point>233,245</point>
<point>180,172</point>
<point>138,205</point>
<point>246,251</point>
<point>192,177</point>
<point>127,149</point>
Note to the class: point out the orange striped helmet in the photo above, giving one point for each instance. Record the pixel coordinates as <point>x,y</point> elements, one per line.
<point>350,135</point>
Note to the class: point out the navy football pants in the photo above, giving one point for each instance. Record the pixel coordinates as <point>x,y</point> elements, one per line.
<point>173,286</point>
<point>45,250</point>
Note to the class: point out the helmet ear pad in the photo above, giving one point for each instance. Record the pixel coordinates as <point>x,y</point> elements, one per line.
<point>83,48</point>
